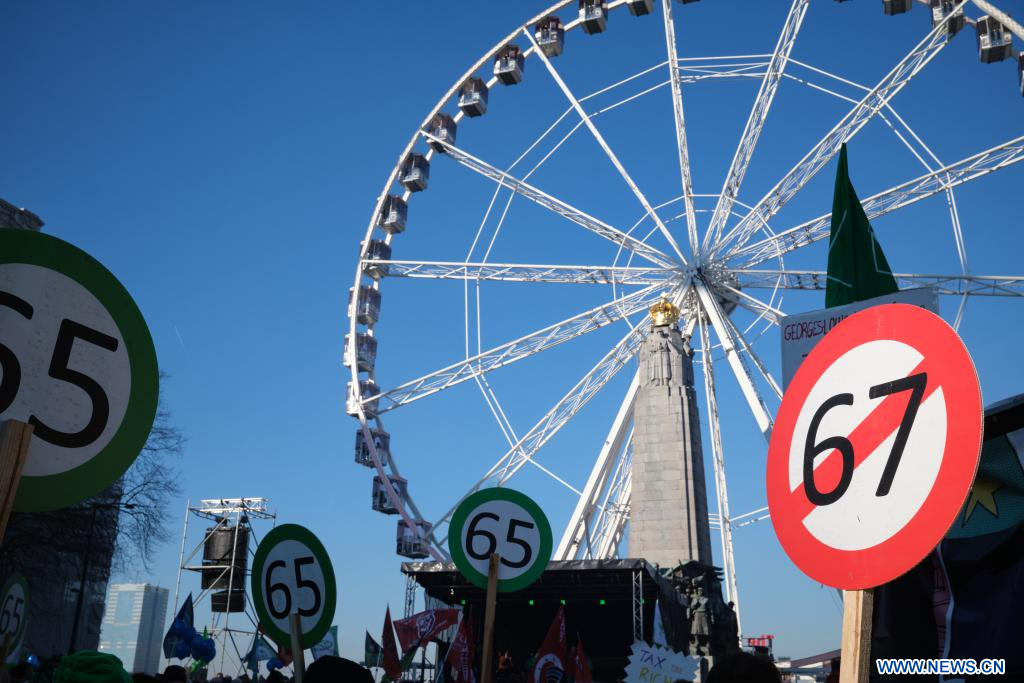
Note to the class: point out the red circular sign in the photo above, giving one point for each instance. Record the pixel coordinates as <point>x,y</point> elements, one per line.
<point>875,446</point>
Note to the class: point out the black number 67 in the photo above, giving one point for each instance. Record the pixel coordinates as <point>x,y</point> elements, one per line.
<point>915,384</point>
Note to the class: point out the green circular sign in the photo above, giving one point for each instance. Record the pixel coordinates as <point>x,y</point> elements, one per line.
<point>13,610</point>
<point>292,573</point>
<point>503,521</point>
<point>77,362</point>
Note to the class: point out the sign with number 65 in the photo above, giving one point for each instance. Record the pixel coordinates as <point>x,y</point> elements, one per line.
<point>77,363</point>
<point>291,573</point>
<point>506,522</point>
<point>13,610</point>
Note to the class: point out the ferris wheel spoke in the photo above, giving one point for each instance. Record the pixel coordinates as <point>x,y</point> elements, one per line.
<point>887,201</point>
<point>954,285</point>
<point>755,122</point>
<point>752,304</point>
<point>556,205</point>
<point>604,145</point>
<point>680,124</point>
<point>718,458</point>
<point>614,512</point>
<point>579,530</point>
<point>846,129</point>
<point>746,348</point>
<point>518,349</point>
<point>574,400</point>
<point>514,272</point>
<point>717,318</point>
<point>567,407</point>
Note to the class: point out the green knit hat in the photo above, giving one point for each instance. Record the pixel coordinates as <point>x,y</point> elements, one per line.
<point>89,666</point>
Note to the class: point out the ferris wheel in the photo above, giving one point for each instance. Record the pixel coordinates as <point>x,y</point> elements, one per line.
<point>726,255</point>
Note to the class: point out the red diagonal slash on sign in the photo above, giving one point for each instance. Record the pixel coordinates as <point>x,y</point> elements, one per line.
<point>865,437</point>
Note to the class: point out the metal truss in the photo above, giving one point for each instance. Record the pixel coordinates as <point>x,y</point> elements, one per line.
<point>758,115</point>
<point>565,409</point>
<point>577,535</point>
<point>680,124</point>
<point>561,208</point>
<point>516,350</point>
<point>604,146</point>
<point>826,148</point>
<point>515,272</point>
<point>723,331</point>
<point>887,201</point>
<point>718,458</point>
<point>970,285</point>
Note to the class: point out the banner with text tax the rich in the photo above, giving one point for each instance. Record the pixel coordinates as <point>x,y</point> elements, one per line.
<point>875,447</point>
<point>77,363</point>
<point>506,522</point>
<point>291,572</point>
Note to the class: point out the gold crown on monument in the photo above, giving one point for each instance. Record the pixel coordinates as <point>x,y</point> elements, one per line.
<point>664,313</point>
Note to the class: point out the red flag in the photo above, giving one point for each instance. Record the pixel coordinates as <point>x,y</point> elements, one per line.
<point>389,652</point>
<point>550,665</point>
<point>420,628</point>
<point>461,652</point>
<point>582,671</point>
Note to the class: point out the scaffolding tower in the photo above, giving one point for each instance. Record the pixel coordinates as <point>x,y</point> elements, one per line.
<point>234,516</point>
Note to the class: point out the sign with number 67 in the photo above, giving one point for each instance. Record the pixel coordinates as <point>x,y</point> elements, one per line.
<point>291,573</point>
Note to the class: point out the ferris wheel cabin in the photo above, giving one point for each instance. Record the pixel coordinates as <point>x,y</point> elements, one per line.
<point>377,250</point>
<point>414,173</point>
<point>892,7</point>
<point>473,97</point>
<point>410,543</point>
<point>367,305</point>
<point>994,41</point>
<point>942,9</point>
<point>508,65</point>
<point>593,16</point>
<point>367,388</point>
<point>366,351</point>
<point>381,501</point>
<point>381,441</point>
<point>639,8</point>
<point>442,127</point>
<point>550,36</point>
<point>393,214</point>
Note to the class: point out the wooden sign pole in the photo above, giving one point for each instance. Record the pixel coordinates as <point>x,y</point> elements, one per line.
<point>855,666</point>
<point>298,654</point>
<point>14,441</point>
<point>492,597</point>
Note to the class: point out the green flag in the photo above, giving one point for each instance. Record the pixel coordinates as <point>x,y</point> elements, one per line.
<point>857,268</point>
<point>371,656</point>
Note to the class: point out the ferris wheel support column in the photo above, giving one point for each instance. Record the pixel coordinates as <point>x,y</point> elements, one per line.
<point>576,531</point>
<point>728,558</point>
<point>717,319</point>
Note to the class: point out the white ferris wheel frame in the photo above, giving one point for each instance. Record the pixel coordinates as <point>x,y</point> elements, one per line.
<point>722,269</point>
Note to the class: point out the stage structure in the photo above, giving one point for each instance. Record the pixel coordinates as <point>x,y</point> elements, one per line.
<point>221,559</point>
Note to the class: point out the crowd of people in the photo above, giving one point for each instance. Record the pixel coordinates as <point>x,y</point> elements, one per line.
<point>97,667</point>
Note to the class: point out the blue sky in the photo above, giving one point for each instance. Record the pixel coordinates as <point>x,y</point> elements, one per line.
<point>223,161</point>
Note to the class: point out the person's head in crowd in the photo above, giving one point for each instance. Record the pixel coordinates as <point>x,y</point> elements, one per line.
<point>329,669</point>
<point>743,667</point>
<point>175,673</point>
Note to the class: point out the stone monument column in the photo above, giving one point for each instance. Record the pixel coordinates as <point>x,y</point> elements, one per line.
<point>668,503</point>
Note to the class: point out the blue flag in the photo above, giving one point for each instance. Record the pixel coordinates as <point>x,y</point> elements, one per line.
<point>178,641</point>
